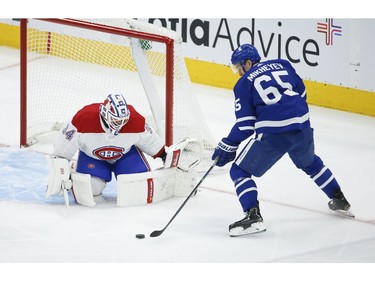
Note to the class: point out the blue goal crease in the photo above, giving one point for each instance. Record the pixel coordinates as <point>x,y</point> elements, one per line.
<point>24,177</point>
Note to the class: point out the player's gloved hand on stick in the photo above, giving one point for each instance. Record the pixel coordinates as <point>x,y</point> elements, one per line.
<point>226,151</point>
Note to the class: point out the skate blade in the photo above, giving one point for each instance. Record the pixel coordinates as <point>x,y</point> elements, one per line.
<point>240,231</point>
<point>344,213</point>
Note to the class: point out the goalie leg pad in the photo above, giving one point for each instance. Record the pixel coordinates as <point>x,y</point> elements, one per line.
<point>145,188</point>
<point>82,190</point>
<point>59,176</point>
<point>97,185</point>
<point>185,182</point>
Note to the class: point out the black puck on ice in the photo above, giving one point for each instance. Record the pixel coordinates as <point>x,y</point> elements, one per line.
<point>140,236</point>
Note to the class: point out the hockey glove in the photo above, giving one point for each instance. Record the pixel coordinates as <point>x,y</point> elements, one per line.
<point>226,151</point>
<point>185,155</point>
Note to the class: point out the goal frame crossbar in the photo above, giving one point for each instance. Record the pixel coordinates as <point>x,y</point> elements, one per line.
<point>169,43</point>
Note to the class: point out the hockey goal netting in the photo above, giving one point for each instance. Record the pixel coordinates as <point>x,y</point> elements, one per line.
<point>68,63</point>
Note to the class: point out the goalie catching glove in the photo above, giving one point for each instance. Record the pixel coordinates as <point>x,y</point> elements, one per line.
<point>185,155</point>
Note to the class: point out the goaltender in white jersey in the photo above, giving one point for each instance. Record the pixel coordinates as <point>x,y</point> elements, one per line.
<point>111,137</point>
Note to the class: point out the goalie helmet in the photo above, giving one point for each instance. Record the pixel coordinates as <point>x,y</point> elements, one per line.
<point>115,113</point>
<point>243,53</point>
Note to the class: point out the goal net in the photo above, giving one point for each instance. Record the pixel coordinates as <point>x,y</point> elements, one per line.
<point>66,64</point>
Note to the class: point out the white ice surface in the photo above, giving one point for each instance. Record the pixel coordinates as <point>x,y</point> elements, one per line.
<point>300,227</point>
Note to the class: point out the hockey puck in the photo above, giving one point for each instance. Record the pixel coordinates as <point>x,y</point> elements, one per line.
<point>140,236</point>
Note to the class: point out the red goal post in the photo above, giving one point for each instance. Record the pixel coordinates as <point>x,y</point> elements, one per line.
<point>68,63</point>
<point>107,29</point>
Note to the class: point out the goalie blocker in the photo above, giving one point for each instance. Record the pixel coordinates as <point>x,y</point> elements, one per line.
<point>178,178</point>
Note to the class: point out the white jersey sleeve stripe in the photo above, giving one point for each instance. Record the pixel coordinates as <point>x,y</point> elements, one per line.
<point>246,128</point>
<point>247,118</point>
<point>282,123</point>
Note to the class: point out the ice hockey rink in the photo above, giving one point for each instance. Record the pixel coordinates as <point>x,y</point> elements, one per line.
<point>300,227</point>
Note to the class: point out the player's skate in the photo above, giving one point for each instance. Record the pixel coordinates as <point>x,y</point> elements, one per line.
<point>252,223</point>
<point>339,204</point>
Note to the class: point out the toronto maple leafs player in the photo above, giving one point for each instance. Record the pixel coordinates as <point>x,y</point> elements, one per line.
<point>110,137</point>
<point>270,101</point>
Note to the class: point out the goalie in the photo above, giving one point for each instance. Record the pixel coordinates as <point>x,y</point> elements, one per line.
<point>112,137</point>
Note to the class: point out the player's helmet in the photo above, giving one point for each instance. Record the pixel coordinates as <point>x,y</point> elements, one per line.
<point>243,53</point>
<point>115,112</point>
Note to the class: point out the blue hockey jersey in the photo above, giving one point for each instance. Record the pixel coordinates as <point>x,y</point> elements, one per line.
<point>269,98</point>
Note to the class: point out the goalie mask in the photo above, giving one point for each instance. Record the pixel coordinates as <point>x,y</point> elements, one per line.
<point>115,113</point>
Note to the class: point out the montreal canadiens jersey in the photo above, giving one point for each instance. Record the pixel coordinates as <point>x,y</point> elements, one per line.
<point>269,98</point>
<point>87,133</point>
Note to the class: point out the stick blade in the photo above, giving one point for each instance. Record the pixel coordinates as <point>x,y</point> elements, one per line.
<point>156,233</point>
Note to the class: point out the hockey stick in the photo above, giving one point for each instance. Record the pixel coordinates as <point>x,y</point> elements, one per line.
<point>157,233</point>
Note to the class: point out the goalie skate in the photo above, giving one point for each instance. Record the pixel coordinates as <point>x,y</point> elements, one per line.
<point>252,223</point>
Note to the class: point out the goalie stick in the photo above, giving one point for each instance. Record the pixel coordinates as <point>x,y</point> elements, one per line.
<point>157,233</point>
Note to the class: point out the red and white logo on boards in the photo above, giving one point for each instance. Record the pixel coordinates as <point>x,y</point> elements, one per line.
<point>109,153</point>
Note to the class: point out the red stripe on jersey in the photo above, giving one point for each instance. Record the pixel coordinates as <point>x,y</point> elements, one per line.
<point>87,120</point>
<point>144,159</point>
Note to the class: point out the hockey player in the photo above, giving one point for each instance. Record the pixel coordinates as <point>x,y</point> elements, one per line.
<point>270,101</point>
<point>109,137</point>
